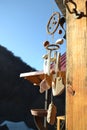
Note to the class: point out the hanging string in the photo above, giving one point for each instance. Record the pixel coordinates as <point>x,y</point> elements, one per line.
<point>52,8</point>
<point>52,39</point>
<point>51,96</point>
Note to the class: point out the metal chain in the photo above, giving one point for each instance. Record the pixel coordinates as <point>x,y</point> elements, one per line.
<point>67,6</point>
<point>77,14</point>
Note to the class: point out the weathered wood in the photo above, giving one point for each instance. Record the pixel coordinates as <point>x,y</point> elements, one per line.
<point>76,75</point>
<point>61,6</point>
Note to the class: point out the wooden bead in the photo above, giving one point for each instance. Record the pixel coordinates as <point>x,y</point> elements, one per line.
<point>59,41</point>
<point>46,43</point>
<point>60,31</point>
<point>52,71</point>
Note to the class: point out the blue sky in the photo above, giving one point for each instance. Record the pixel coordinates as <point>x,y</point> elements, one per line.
<point>23,28</point>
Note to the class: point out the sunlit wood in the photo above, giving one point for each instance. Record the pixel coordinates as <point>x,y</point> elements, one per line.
<point>76,75</point>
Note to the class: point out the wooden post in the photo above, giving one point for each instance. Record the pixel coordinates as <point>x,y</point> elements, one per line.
<point>76,75</point>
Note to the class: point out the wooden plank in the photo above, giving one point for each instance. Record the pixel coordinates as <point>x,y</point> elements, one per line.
<point>37,76</point>
<point>76,75</point>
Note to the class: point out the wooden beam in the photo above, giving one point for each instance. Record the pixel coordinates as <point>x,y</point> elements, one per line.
<point>76,74</point>
<point>61,6</point>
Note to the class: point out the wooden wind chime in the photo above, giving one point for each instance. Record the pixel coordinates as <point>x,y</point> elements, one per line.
<point>52,66</point>
<point>51,78</point>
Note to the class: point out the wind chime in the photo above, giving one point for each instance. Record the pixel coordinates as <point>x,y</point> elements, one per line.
<point>52,66</point>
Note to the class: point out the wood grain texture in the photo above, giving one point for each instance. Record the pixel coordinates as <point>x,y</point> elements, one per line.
<point>76,74</point>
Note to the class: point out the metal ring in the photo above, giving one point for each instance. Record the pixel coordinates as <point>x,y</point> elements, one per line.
<point>52,47</point>
<point>55,24</point>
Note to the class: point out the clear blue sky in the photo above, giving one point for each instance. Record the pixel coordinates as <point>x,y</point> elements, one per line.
<point>23,28</point>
